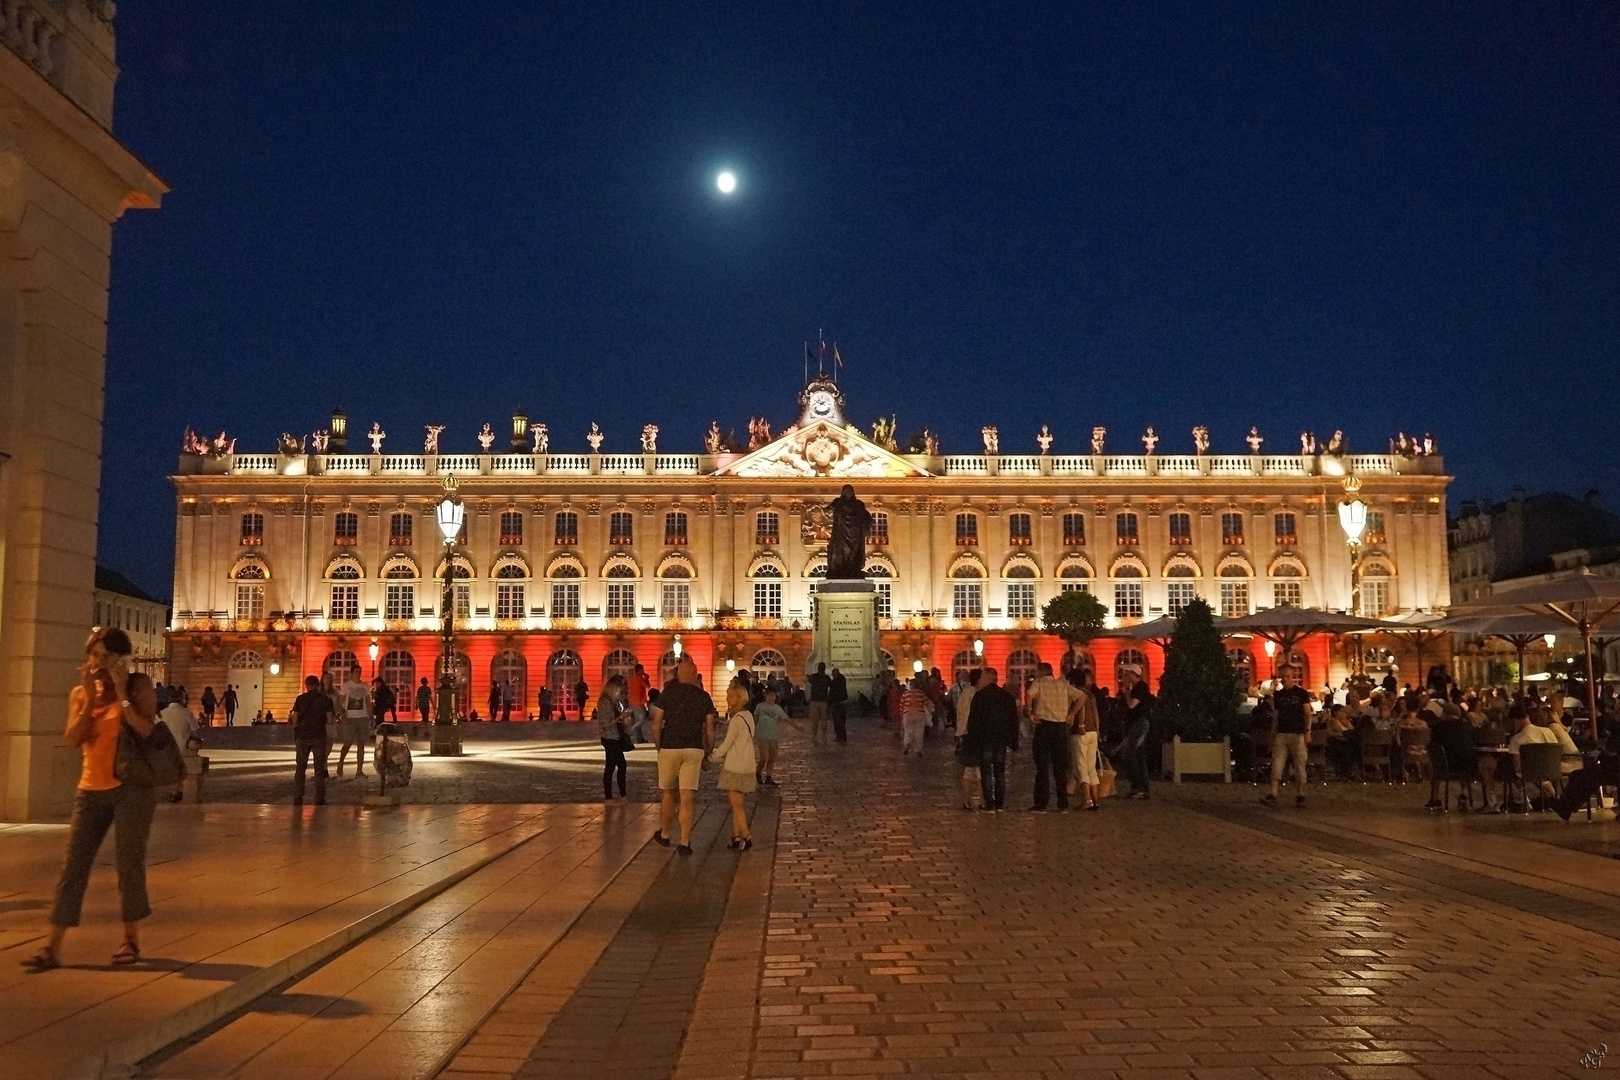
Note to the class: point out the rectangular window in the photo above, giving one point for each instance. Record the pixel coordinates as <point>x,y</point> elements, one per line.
<point>399,601</point>
<point>1019,530</point>
<point>252,529</point>
<point>1286,594</point>
<point>345,602</point>
<point>1178,595</point>
<point>1285,527</point>
<point>567,530</point>
<point>767,599</point>
<point>877,534</point>
<point>463,601</point>
<point>621,600</point>
<point>565,600</point>
<point>675,528</point>
<point>967,530</point>
<point>1074,530</point>
<point>1180,529</point>
<point>510,600</point>
<point>511,528</point>
<point>621,528</point>
<point>1127,599</point>
<point>885,600</point>
<point>346,529</point>
<point>1021,600</point>
<point>1374,597</point>
<point>250,602</point>
<point>967,600</point>
<point>677,602</point>
<point>1072,585</point>
<point>1125,530</point>
<point>1234,599</point>
<point>1374,533</point>
<point>1232,527</point>
<point>766,530</point>
<point>399,529</point>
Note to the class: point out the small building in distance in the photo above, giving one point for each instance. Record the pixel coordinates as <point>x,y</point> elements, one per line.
<point>120,602</point>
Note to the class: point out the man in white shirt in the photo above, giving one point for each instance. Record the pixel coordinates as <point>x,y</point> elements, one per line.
<point>1052,703</point>
<point>183,726</point>
<point>355,697</point>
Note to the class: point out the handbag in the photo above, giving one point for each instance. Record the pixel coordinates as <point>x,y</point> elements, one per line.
<point>154,761</point>
<point>626,743</point>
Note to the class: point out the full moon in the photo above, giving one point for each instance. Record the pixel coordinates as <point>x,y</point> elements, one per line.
<point>726,182</point>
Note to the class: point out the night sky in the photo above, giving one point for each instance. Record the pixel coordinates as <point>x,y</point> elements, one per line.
<point>1361,215</point>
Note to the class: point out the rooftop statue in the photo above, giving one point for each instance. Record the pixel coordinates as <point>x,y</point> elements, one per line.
<point>376,435</point>
<point>992,439</point>
<point>1043,439</point>
<point>1338,446</point>
<point>1255,440</point>
<point>846,549</point>
<point>595,438</point>
<point>883,433</point>
<point>649,439</point>
<point>430,444</point>
<point>1150,441</point>
<point>713,440</point>
<point>1200,439</point>
<point>759,432</point>
<point>320,440</point>
<point>1307,443</point>
<point>486,438</point>
<point>1430,448</point>
<point>542,438</point>
<point>290,445</point>
<point>1099,439</point>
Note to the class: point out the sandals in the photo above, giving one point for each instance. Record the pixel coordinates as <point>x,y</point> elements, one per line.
<point>44,960</point>
<point>128,953</point>
<point>741,843</point>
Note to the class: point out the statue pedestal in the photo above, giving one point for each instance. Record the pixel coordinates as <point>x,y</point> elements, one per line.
<point>846,635</point>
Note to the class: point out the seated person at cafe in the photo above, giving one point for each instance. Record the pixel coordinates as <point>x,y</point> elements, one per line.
<point>1343,743</point>
<point>1527,731</point>
<point>1584,783</point>
<point>1452,737</point>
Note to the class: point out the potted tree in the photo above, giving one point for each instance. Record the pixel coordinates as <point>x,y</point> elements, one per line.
<point>1198,698</point>
<point>1077,617</point>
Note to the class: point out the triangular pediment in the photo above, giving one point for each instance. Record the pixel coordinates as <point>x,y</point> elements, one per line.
<point>821,449</point>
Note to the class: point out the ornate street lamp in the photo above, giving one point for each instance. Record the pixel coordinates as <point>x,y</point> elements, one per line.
<point>978,647</point>
<point>1353,520</point>
<point>450,514</point>
<point>372,652</point>
<point>676,648</point>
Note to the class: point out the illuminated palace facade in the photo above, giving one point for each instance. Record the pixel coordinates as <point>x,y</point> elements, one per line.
<point>579,565</point>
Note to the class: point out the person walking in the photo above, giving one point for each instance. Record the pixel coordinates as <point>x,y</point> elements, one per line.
<point>228,701</point>
<point>992,732</point>
<point>735,756</point>
<point>1289,730</point>
<point>838,705</point>
<point>494,699</point>
<point>610,726</point>
<point>312,717</point>
<point>1053,703</point>
<point>183,726</point>
<point>582,696</point>
<point>508,701</point>
<point>636,691</point>
<point>545,703</point>
<point>1084,726</point>
<point>356,727</point>
<point>768,720</point>
<point>683,728</point>
<point>966,759</point>
<point>1136,702</point>
<point>382,703</point>
<point>915,709</point>
<point>107,699</point>
<point>820,695</point>
<point>424,701</point>
<point>209,704</point>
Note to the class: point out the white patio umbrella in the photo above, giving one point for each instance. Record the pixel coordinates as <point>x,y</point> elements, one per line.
<point>1288,626</point>
<point>1518,628</point>
<point>1584,601</point>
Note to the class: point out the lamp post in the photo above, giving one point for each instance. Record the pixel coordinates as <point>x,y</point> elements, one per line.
<point>978,647</point>
<point>446,733</point>
<point>372,651</point>
<point>1353,520</point>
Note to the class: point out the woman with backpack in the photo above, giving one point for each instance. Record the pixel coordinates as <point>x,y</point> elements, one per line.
<point>107,700</point>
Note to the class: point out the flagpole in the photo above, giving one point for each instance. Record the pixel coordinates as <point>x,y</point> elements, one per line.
<point>806,364</point>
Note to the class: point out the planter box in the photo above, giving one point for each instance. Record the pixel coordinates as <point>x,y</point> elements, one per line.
<point>1198,759</point>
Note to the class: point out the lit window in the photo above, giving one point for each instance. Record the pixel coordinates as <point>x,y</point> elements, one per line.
<point>346,528</point>
<point>511,592</point>
<point>345,571</point>
<point>1125,529</point>
<point>767,599</point>
<point>1286,594</point>
<point>1021,600</point>
<point>766,530</point>
<point>565,600</point>
<point>399,529</point>
<point>621,600</point>
<point>1178,594</point>
<point>885,599</point>
<point>677,600</point>
<point>967,530</point>
<point>1019,530</point>
<point>675,528</point>
<point>1234,599</point>
<point>511,528</point>
<point>1374,533</point>
<point>1074,530</point>
<point>463,601</point>
<point>567,529</point>
<point>877,534</point>
<point>621,528</point>
<point>250,602</point>
<point>1128,599</point>
<point>967,600</point>
<point>1285,527</point>
<point>399,600</point>
<point>1180,528</point>
<point>345,602</point>
<point>1232,527</point>
<point>252,529</point>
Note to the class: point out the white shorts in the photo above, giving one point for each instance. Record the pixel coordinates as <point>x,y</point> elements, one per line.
<point>680,769</point>
<point>1085,756</point>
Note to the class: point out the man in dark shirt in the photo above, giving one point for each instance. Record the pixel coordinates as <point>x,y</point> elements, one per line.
<point>1451,740</point>
<point>992,730</point>
<point>683,730</point>
<point>424,701</point>
<point>311,712</point>
<point>820,697</point>
<point>838,703</point>
<point>1135,703</point>
<point>1292,727</point>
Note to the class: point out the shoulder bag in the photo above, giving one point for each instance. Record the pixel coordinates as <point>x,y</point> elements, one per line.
<point>154,761</point>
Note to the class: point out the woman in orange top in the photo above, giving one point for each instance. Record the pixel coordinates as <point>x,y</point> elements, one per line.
<point>107,697</point>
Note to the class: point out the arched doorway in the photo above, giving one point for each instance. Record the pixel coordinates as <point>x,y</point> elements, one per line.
<point>463,675</point>
<point>339,666</point>
<point>246,674</point>
<point>964,662</point>
<point>399,675</point>
<point>666,668</point>
<point>509,668</point>
<point>768,664</point>
<point>1130,658</point>
<point>621,663</point>
<point>1022,667</point>
<point>563,671</point>
<point>1081,660</point>
<point>1242,662</point>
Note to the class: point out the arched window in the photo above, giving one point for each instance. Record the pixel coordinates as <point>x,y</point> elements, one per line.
<point>619,662</point>
<point>1287,588</point>
<point>247,659</point>
<point>883,579</point>
<point>1074,576</point>
<point>621,591</point>
<point>963,662</point>
<point>563,672</point>
<point>399,591</point>
<point>344,569</point>
<point>462,670</point>
<point>1081,659</point>
<point>768,664</point>
<point>511,591</point>
<point>967,590</point>
<point>1234,579</point>
<point>675,589</point>
<point>510,673</point>
<point>1127,576</point>
<point>1022,667</point>
<point>250,578</point>
<point>1129,658</point>
<point>767,590</point>
<point>565,590</point>
<point>1242,662</point>
<point>399,673</point>
<point>666,667</point>
<point>339,666</point>
<point>401,572</point>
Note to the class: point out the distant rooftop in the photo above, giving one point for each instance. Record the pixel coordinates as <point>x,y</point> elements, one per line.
<point>109,580</point>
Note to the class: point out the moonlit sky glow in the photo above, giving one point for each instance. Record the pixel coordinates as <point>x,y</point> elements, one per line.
<point>726,182</point>
<point>1364,215</point>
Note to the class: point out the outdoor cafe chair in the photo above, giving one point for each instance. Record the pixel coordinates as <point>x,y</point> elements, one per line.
<point>1414,747</point>
<point>1375,753</point>
<point>1539,762</point>
<point>1465,773</point>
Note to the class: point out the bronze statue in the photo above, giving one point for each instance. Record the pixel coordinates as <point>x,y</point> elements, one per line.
<point>846,550</point>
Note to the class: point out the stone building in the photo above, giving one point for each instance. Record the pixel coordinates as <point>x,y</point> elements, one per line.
<point>120,602</point>
<point>64,179</point>
<point>578,565</point>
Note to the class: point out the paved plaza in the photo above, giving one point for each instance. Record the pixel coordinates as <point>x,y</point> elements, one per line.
<point>875,929</point>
